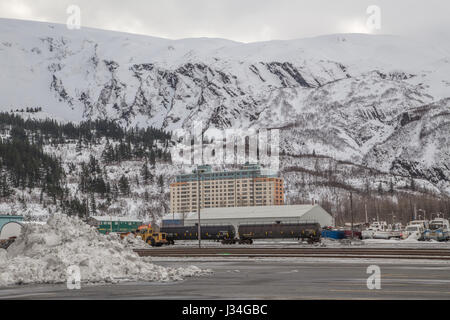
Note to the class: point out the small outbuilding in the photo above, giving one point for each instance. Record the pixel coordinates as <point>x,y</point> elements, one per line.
<point>10,229</point>
<point>10,226</point>
<point>7,218</point>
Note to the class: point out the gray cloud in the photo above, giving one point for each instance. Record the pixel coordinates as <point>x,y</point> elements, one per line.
<point>240,20</point>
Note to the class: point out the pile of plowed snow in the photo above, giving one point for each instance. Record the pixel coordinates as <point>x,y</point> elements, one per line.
<point>43,253</point>
<point>133,242</point>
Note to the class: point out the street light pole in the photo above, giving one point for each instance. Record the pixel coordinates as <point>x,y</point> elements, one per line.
<point>351,210</point>
<point>365,209</point>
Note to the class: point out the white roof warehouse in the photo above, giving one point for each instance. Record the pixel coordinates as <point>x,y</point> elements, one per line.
<point>261,214</point>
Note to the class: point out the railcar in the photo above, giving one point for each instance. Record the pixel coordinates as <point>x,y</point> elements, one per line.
<point>208,232</point>
<point>304,231</point>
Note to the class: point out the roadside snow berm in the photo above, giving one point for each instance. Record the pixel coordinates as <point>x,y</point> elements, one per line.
<point>43,254</point>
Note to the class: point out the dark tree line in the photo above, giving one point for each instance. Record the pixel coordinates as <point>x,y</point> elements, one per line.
<point>49,130</point>
<point>124,151</point>
<point>93,179</point>
<point>24,164</point>
<point>30,110</point>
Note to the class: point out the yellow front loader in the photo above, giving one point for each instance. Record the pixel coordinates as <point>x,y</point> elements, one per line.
<point>155,239</point>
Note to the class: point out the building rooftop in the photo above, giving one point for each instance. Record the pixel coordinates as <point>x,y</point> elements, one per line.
<point>6,216</point>
<point>248,170</point>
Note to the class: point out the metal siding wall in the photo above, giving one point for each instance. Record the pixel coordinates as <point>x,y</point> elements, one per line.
<point>320,215</point>
<point>316,214</point>
<point>247,221</point>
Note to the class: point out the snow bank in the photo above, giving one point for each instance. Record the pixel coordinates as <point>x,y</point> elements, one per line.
<point>130,241</point>
<point>382,241</point>
<point>3,255</point>
<point>43,254</point>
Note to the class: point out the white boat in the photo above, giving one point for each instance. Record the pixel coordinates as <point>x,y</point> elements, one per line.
<point>424,223</point>
<point>413,231</point>
<point>373,228</point>
<point>390,232</point>
<point>381,230</point>
<point>438,230</point>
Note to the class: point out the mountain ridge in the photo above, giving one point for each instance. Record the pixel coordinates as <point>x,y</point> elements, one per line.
<point>359,98</point>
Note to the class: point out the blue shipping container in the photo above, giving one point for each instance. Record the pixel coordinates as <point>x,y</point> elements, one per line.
<point>333,234</point>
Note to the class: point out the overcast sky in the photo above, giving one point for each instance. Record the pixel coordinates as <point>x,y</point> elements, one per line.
<point>241,20</point>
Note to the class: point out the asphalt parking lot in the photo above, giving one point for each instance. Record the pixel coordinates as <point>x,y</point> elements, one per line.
<point>266,279</point>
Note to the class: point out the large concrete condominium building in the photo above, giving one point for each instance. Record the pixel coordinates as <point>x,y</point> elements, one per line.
<point>249,186</point>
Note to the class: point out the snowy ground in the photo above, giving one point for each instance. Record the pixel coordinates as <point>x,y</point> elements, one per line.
<point>325,242</point>
<point>267,279</point>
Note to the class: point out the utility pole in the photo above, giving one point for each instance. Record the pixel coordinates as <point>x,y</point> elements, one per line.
<point>351,209</point>
<point>378,212</point>
<point>198,209</point>
<point>365,209</point>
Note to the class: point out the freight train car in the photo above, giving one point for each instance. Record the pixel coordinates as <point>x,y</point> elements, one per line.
<point>109,224</point>
<point>217,232</point>
<point>308,231</point>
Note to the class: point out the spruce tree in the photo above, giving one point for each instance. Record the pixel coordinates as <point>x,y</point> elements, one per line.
<point>6,190</point>
<point>124,186</point>
<point>380,188</point>
<point>146,174</point>
<point>93,205</point>
<point>152,158</point>
<point>412,185</point>
<point>161,183</point>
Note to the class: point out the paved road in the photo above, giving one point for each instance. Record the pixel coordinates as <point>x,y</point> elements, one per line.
<point>267,279</point>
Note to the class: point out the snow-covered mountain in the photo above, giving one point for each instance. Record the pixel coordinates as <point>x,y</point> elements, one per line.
<point>382,102</point>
